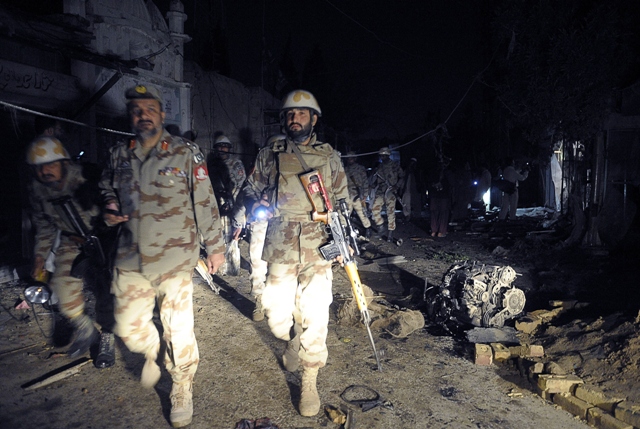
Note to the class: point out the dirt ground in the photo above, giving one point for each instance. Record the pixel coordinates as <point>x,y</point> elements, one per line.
<point>429,379</point>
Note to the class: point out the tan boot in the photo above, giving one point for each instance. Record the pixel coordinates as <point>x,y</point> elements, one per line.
<point>150,371</point>
<point>258,311</point>
<point>290,358</point>
<point>181,404</point>
<point>309,398</point>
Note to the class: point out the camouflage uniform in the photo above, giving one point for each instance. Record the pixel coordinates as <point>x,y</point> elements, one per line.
<point>237,177</point>
<point>48,220</point>
<point>387,179</point>
<point>258,265</point>
<point>298,287</point>
<point>358,184</point>
<point>170,203</point>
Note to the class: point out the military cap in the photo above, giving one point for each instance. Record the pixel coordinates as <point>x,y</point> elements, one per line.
<point>143,92</point>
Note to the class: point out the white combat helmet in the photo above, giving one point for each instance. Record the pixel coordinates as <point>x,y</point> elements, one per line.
<point>223,141</point>
<point>384,151</point>
<point>301,99</point>
<point>44,150</point>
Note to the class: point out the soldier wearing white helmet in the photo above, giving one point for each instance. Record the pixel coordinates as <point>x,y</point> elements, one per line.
<point>228,175</point>
<point>58,183</point>
<point>295,102</point>
<point>298,290</point>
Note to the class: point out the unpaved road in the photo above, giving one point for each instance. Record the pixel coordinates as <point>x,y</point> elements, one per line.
<point>431,380</point>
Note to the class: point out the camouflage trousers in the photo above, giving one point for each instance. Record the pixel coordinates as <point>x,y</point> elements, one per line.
<point>389,202</point>
<point>258,266</point>
<point>136,296</point>
<point>359,209</point>
<point>67,288</point>
<point>300,294</point>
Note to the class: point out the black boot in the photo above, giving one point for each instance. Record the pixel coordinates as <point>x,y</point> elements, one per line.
<point>380,231</point>
<point>390,236</point>
<point>367,233</point>
<point>86,334</point>
<point>106,351</point>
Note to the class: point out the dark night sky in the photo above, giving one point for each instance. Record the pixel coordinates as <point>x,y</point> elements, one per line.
<point>392,60</point>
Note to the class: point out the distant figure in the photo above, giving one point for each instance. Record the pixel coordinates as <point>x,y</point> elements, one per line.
<point>387,180</point>
<point>411,201</point>
<point>358,184</point>
<point>463,193</point>
<point>510,201</point>
<point>48,127</point>
<point>440,196</point>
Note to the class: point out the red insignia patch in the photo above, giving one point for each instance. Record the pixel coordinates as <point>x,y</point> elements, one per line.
<point>201,172</point>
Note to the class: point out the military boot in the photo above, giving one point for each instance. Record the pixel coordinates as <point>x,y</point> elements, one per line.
<point>290,359</point>
<point>380,231</point>
<point>367,233</point>
<point>86,334</point>
<point>106,351</point>
<point>390,236</point>
<point>150,371</point>
<point>181,404</point>
<point>309,398</point>
<point>258,311</point>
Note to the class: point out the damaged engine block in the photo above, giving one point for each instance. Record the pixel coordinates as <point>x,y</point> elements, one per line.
<point>475,294</point>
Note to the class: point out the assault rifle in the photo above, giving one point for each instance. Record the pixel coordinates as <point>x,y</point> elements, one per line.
<point>92,252</point>
<point>341,241</point>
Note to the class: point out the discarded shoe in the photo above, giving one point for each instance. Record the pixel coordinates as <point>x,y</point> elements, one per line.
<point>86,334</point>
<point>181,404</point>
<point>106,351</point>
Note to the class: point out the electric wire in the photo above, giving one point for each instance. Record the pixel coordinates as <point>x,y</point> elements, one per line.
<point>70,121</point>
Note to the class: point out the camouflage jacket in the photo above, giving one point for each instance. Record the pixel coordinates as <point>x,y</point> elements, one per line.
<point>170,203</point>
<point>48,218</point>
<point>388,175</point>
<point>237,177</point>
<point>292,237</point>
<point>358,181</point>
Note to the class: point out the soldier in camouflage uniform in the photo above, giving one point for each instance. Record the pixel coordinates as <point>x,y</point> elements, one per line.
<point>57,178</point>
<point>158,188</point>
<point>228,176</point>
<point>387,180</point>
<point>298,291</point>
<point>258,229</point>
<point>358,190</point>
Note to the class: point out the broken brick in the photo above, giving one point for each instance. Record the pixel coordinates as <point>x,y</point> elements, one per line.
<point>483,355</point>
<point>558,383</point>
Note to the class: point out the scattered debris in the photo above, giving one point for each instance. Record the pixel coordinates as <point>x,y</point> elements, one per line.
<point>365,397</point>
<point>505,334</point>
<point>474,294</point>
<point>57,374</point>
<point>19,349</point>
<point>263,423</point>
<point>400,324</point>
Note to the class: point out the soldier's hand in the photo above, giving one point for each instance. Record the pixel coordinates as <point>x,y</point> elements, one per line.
<point>261,210</point>
<point>236,233</point>
<point>215,261</point>
<point>38,266</point>
<point>112,215</point>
